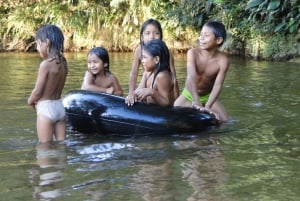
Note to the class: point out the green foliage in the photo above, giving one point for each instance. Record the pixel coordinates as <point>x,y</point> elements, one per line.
<point>116,23</point>
<point>277,47</point>
<point>274,15</point>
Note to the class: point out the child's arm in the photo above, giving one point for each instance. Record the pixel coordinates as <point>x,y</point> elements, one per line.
<point>173,71</point>
<point>117,89</point>
<point>88,83</point>
<point>84,82</point>
<point>163,93</point>
<point>132,98</point>
<point>192,77</point>
<point>217,88</point>
<point>134,70</point>
<point>37,92</point>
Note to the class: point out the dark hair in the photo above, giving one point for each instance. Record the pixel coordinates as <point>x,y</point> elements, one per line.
<point>55,37</point>
<point>157,47</point>
<point>218,29</point>
<point>153,22</point>
<point>102,54</point>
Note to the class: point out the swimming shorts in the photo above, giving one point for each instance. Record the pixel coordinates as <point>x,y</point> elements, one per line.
<point>187,95</point>
<point>52,109</point>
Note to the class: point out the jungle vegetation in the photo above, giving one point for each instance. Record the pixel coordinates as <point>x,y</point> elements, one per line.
<point>267,29</point>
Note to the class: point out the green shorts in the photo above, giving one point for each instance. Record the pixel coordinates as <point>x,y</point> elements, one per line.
<point>187,95</point>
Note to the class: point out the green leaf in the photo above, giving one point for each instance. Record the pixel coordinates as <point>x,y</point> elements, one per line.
<point>253,3</point>
<point>273,5</point>
<point>279,26</point>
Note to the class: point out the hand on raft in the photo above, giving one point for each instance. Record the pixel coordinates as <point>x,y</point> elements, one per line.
<point>204,109</point>
<point>131,99</point>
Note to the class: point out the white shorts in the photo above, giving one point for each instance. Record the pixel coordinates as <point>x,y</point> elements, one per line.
<point>52,109</point>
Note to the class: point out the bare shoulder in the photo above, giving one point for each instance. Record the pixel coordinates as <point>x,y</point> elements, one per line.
<point>164,76</point>
<point>45,66</point>
<point>193,51</point>
<point>112,77</point>
<point>137,50</point>
<point>223,60</point>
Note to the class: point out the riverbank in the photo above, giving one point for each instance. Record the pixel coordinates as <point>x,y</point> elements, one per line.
<point>275,48</point>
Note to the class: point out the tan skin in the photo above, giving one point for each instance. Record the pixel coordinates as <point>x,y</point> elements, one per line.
<point>49,85</point>
<point>206,70</point>
<point>162,91</point>
<point>103,82</point>
<point>151,32</point>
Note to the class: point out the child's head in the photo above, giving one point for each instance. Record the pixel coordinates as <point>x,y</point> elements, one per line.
<point>158,53</point>
<point>102,54</point>
<point>151,29</point>
<point>157,48</point>
<point>217,28</point>
<point>52,35</point>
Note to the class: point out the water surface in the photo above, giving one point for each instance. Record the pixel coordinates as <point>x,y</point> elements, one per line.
<point>253,157</point>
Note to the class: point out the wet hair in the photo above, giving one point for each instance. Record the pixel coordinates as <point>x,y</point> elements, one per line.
<point>152,22</point>
<point>102,54</point>
<point>55,38</point>
<point>218,29</point>
<point>157,47</point>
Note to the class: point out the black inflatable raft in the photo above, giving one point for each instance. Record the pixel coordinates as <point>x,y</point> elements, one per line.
<point>94,112</point>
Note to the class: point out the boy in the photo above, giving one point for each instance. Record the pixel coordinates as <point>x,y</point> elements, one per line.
<point>206,70</point>
<point>45,97</point>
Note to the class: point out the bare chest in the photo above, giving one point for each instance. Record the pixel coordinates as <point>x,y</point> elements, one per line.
<point>103,81</point>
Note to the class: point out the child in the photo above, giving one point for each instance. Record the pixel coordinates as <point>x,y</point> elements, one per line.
<point>98,77</point>
<point>151,29</point>
<point>45,97</point>
<point>156,85</point>
<point>206,70</point>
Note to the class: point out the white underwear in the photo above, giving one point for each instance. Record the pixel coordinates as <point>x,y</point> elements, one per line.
<point>53,109</point>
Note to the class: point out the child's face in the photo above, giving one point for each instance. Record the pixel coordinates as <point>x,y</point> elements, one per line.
<point>151,32</point>
<point>95,64</point>
<point>42,48</point>
<point>207,38</point>
<point>148,61</point>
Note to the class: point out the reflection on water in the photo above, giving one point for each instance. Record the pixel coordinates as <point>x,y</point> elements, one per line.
<point>256,156</point>
<point>47,178</point>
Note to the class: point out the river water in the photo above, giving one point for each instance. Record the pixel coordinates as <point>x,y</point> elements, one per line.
<point>256,156</point>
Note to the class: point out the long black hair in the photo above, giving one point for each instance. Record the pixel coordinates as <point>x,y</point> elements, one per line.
<point>55,37</point>
<point>157,47</point>
<point>153,22</point>
<point>102,54</point>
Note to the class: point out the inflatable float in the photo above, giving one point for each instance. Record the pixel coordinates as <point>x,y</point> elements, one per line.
<point>95,112</point>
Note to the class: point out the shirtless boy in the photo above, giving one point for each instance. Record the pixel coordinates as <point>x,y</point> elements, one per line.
<point>206,70</point>
<point>45,97</point>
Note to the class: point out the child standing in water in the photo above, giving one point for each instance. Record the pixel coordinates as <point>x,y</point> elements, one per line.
<point>151,29</point>
<point>98,77</point>
<point>45,97</point>
<point>156,85</point>
<point>206,70</point>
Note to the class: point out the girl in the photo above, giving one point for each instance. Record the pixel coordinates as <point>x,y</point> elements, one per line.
<point>151,29</point>
<point>156,85</point>
<point>98,77</point>
<point>45,97</point>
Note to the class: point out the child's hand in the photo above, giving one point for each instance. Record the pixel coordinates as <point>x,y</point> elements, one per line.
<point>143,93</point>
<point>197,106</point>
<point>131,99</point>
<point>110,90</point>
<point>31,104</point>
